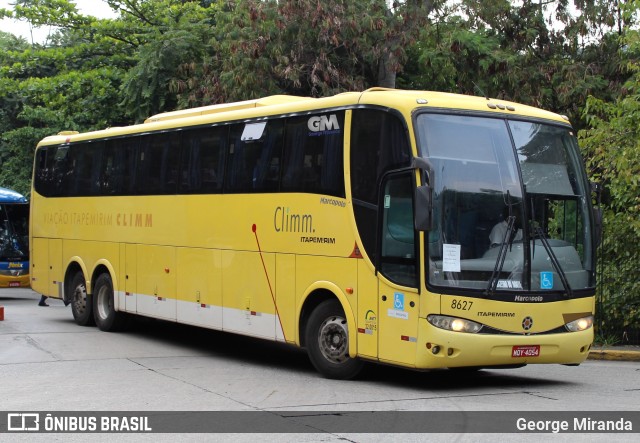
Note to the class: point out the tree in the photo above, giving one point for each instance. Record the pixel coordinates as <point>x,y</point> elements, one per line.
<point>72,84</point>
<point>171,34</point>
<point>303,47</point>
<point>612,148</point>
<point>531,52</point>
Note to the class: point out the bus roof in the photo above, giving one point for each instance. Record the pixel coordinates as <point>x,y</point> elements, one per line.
<point>9,196</point>
<point>226,107</point>
<point>403,100</point>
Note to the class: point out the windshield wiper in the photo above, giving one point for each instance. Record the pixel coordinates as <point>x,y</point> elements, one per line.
<point>502,254</point>
<point>554,260</point>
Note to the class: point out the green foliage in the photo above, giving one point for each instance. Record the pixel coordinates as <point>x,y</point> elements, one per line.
<point>146,85</point>
<point>612,148</point>
<point>12,42</point>
<point>301,48</point>
<point>16,157</point>
<point>513,51</point>
<point>71,85</point>
<point>170,34</point>
<point>603,339</point>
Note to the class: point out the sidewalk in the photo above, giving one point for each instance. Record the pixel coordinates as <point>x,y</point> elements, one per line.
<point>616,353</point>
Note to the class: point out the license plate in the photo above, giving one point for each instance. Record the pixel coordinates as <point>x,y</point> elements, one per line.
<point>14,284</point>
<point>525,351</point>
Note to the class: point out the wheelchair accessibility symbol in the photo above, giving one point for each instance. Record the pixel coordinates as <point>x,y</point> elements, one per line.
<point>546,280</point>
<point>398,301</point>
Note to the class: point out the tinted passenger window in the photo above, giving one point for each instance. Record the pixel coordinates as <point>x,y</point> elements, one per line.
<point>42,175</point>
<point>202,164</point>
<point>379,143</point>
<point>254,163</point>
<point>83,169</point>
<point>398,237</point>
<point>313,154</point>
<point>118,166</point>
<point>158,163</point>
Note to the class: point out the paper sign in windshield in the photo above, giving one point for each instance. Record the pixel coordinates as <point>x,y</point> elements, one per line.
<point>450,258</point>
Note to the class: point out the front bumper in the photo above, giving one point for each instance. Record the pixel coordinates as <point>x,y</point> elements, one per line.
<point>439,348</point>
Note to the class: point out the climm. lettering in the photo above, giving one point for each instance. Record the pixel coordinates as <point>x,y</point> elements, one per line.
<point>285,220</point>
<point>134,220</point>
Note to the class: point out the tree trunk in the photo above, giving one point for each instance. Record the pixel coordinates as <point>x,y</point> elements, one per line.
<point>415,15</point>
<point>386,71</point>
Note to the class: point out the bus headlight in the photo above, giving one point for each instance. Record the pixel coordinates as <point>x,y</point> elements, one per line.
<point>580,324</point>
<point>453,323</point>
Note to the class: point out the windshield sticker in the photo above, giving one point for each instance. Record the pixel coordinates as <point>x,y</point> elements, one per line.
<point>546,280</point>
<point>509,284</point>
<point>450,258</point>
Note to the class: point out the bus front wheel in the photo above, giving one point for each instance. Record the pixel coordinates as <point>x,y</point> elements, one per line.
<point>327,341</point>
<point>80,301</point>
<point>104,312</point>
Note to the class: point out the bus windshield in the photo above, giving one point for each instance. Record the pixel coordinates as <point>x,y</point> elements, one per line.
<point>510,206</point>
<point>14,232</point>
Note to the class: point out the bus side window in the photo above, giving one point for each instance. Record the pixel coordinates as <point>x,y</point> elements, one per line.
<point>43,172</point>
<point>118,166</point>
<point>60,170</point>
<point>313,161</point>
<point>379,144</point>
<point>85,162</point>
<point>157,169</point>
<point>254,165</point>
<point>202,162</point>
<point>398,243</point>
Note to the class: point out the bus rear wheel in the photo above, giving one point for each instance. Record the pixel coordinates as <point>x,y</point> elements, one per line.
<point>104,311</point>
<point>80,301</point>
<point>327,340</point>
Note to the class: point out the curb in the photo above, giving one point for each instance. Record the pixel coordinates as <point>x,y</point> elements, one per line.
<point>614,355</point>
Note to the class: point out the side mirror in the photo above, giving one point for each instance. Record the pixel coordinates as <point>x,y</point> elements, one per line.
<point>423,215</point>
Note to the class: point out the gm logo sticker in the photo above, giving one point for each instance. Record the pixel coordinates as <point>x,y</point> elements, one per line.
<point>323,124</point>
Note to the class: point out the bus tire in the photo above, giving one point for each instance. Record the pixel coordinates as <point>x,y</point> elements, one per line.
<point>81,306</point>
<point>104,312</point>
<point>327,341</point>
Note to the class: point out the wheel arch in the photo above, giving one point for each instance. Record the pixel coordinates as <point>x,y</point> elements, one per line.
<point>316,294</point>
<point>105,267</point>
<point>74,265</point>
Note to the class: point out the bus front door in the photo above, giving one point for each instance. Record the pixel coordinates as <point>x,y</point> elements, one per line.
<point>397,272</point>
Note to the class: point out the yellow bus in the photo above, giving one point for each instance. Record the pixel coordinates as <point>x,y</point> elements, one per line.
<point>411,228</point>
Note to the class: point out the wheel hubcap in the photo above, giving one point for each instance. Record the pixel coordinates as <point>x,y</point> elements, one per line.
<point>103,302</point>
<point>334,339</point>
<point>80,299</point>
